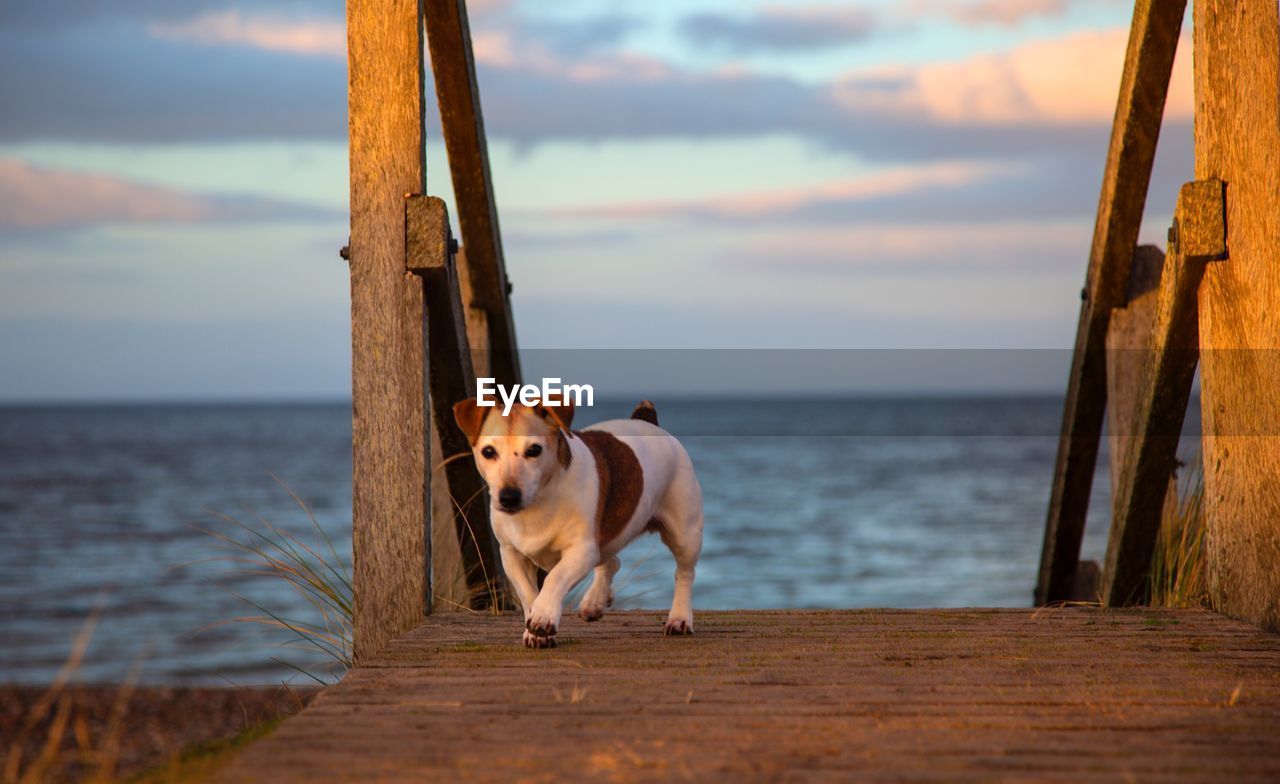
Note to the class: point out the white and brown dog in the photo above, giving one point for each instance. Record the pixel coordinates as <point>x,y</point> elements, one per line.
<point>569,501</point>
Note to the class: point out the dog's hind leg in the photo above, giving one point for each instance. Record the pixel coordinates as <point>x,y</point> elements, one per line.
<point>600,595</point>
<point>681,532</point>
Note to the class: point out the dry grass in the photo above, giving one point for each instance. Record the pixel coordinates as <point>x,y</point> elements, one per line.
<point>1179,563</point>
<point>313,571</point>
<point>493,593</point>
<point>95,759</point>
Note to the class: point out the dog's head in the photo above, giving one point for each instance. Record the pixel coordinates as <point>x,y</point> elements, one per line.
<point>517,454</point>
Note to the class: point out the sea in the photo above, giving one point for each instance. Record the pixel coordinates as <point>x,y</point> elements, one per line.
<point>114,513</point>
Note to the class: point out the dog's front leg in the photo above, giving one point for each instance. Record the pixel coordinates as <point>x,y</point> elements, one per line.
<point>523,576</point>
<point>544,620</point>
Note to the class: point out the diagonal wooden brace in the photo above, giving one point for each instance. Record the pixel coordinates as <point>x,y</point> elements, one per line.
<point>429,254</point>
<point>485,286</point>
<point>1153,40</point>
<point>1163,389</point>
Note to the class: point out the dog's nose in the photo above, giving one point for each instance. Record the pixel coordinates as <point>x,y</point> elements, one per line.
<point>509,498</point>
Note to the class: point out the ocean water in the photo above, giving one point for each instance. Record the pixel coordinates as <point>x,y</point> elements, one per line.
<point>905,502</point>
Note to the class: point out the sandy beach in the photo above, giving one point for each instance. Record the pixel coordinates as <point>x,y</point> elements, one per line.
<point>133,731</point>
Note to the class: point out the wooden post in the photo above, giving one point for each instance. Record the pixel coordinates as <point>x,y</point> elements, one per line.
<point>1163,389</point>
<point>1127,337</point>
<point>485,286</point>
<point>451,379</point>
<point>1153,39</point>
<point>1237,75</point>
<point>389,428</point>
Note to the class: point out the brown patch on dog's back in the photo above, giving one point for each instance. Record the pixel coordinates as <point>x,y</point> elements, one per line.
<point>646,412</point>
<point>621,481</point>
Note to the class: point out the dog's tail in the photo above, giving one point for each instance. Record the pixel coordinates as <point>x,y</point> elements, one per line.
<point>645,412</point>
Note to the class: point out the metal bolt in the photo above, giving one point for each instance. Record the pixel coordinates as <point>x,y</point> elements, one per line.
<point>345,252</point>
<point>1173,237</point>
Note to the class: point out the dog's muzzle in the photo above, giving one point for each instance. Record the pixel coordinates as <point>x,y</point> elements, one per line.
<point>509,499</point>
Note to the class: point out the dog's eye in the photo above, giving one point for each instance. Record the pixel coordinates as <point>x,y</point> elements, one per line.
<point>489,453</point>
<point>533,451</point>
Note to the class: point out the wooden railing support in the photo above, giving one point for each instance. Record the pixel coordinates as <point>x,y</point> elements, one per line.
<point>1153,40</point>
<point>482,269</point>
<point>1237,85</point>
<point>1163,390</point>
<point>430,255</point>
<point>390,435</point>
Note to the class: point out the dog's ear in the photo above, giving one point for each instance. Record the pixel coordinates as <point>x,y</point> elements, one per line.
<point>564,453</point>
<point>470,418</point>
<point>561,416</point>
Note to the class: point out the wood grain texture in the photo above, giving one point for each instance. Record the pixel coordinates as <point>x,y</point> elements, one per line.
<point>1153,40</point>
<point>389,429</point>
<point>1070,695</point>
<point>1161,392</point>
<point>1128,333</point>
<point>1237,75</point>
<point>461,118</point>
<point>1128,336</point>
<point>452,379</point>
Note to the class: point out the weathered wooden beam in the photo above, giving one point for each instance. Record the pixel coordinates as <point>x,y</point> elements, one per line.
<point>1163,390</point>
<point>1128,334</point>
<point>451,378</point>
<point>1237,84</point>
<point>1127,347</point>
<point>390,436</point>
<point>1153,40</point>
<point>458,95</point>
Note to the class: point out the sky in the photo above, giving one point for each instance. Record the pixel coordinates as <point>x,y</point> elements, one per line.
<point>693,174</point>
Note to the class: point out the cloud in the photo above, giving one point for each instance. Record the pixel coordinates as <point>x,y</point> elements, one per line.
<point>975,13</point>
<point>1067,81</point>
<point>782,28</point>
<point>781,203</point>
<point>317,36</point>
<point>579,36</point>
<point>66,14</point>
<point>39,199</point>
<point>123,84</point>
<point>1025,247</point>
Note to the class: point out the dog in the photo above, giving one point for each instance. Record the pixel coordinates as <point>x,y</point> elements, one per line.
<point>568,501</point>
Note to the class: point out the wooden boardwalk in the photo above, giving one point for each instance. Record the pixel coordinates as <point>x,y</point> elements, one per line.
<point>948,695</point>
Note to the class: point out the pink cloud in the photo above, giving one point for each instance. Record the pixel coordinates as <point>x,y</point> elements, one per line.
<point>315,37</point>
<point>38,198</point>
<point>891,182</point>
<point>987,12</point>
<point>1071,80</point>
<point>939,247</point>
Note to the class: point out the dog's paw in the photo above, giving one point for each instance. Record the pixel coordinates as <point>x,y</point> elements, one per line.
<point>590,614</point>
<point>540,627</point>
<point>532,640</point>
<point>677,627</point>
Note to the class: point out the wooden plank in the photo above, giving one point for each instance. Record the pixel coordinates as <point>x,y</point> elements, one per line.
<point>1153,40</point>
<point>458,96</point>
<point>451,378</point>
<point>1163,390</point>
<point>389,429</point>
<point>1128,334</point>
<point>871,695</point>
<point>1237,78</point>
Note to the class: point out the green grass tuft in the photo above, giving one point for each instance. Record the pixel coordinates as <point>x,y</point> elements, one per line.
<point>1179,570</point>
